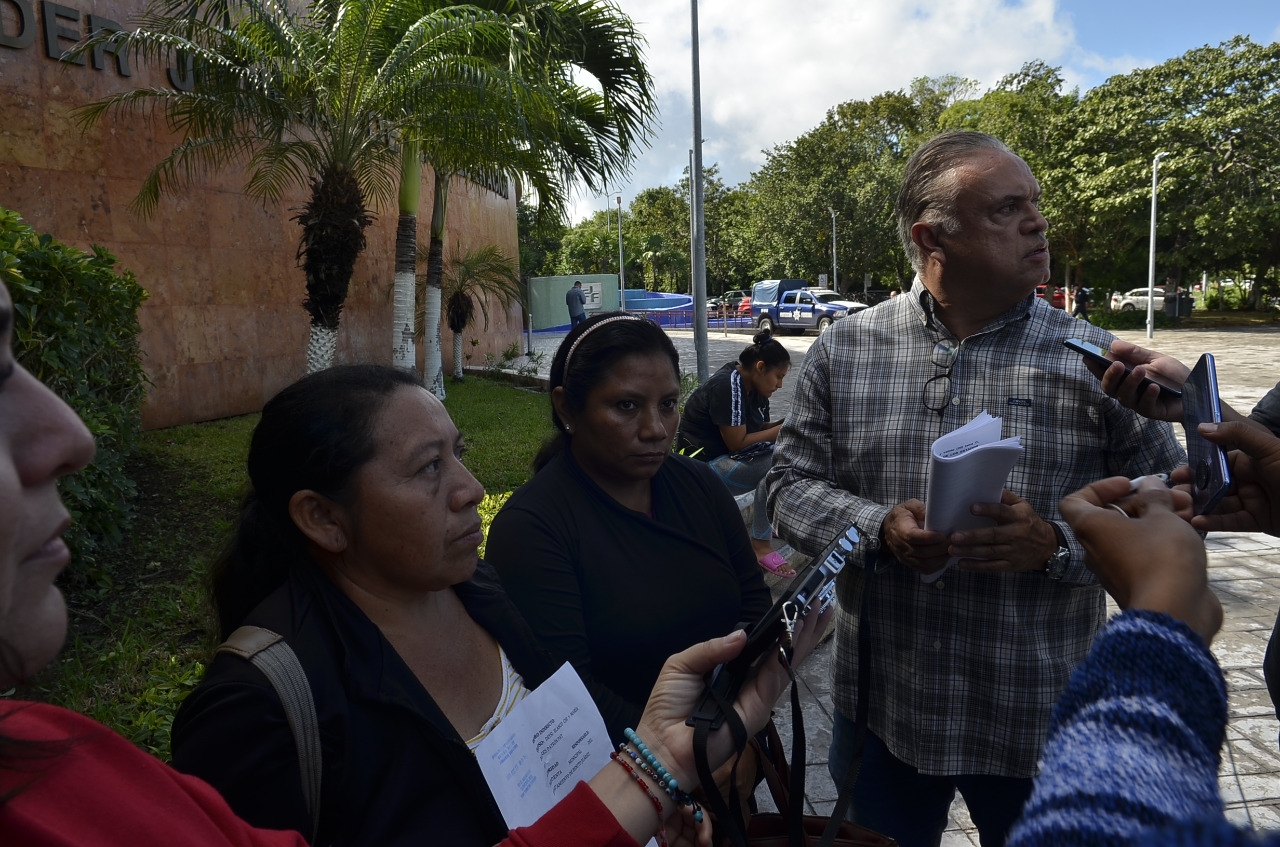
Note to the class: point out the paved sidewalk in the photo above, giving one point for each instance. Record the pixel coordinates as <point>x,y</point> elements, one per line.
<point>1244,570</point>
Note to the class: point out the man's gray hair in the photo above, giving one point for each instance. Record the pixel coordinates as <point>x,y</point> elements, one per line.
<point>929,187</point>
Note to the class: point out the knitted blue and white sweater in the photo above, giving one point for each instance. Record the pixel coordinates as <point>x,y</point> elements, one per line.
<point>1133,751</point>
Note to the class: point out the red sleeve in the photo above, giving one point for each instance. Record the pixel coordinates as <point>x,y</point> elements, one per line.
<point>579,820</point>
<point>98,789</point>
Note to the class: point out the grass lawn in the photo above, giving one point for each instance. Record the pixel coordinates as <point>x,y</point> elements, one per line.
<point>141,626</point>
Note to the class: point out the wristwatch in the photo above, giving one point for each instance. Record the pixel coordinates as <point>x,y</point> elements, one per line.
<point>1057,564</point>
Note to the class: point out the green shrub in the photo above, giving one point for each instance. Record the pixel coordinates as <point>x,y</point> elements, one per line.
<point>76,330</point>
<point>1234,297</point>
<point>1129,320</point>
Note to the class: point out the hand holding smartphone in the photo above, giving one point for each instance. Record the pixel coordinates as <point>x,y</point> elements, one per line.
<point>1210,473</point>
<point>811,592</point>
<point>1102,356</point>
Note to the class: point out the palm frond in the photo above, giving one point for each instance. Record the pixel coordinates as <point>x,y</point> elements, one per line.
<point>471,279</point>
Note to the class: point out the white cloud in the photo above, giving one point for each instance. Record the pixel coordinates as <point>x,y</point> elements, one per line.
<point>772,68</point>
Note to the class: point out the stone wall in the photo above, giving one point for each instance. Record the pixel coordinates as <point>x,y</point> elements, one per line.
<point>223,328</point>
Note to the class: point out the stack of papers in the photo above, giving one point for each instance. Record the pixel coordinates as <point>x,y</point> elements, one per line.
<point>969,465</point>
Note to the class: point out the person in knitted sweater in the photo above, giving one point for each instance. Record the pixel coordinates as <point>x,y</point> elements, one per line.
<point>1135,742</point>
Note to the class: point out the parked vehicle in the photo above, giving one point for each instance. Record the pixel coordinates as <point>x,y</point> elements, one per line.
<point>834,298</point>
<point>729,300</point>
<point>789,304</point>
<point>1059,300</point>
<point>1135,298</point>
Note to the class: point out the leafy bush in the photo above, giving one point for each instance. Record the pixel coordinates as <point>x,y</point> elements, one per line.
<point>1234,297</point>
<point>76,330</point>
<point>1129,320</point>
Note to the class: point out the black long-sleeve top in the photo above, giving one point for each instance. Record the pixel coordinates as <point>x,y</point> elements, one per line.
<point>616,591</point>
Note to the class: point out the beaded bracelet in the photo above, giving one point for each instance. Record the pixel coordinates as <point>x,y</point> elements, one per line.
<point>657,804</point>
<point>663,777</point>
<point>677,795</point>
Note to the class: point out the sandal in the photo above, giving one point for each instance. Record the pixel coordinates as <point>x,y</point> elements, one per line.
<point>777,565</point>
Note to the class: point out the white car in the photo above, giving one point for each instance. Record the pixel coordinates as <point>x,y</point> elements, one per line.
<point>1135,298</point>
<point>826,295</point>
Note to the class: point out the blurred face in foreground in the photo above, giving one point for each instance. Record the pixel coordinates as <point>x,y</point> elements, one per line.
<point>41,439</point>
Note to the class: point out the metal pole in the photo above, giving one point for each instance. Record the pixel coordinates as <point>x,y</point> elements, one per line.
<point>622,271</point>
<point>691,234</point>
<point>1151,263</point>
<point>834,282</point>
<point>699,246</point>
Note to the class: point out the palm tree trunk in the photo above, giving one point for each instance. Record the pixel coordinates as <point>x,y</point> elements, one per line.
<point>433,366</point>
<point>457,355</point>
<point>320,346</point>
<point>333,221</point>
<point>404,351</point>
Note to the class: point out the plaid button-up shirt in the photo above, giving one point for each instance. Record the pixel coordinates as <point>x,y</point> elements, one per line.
<point>965,671</point>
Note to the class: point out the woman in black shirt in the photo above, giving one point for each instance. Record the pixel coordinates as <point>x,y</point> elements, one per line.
<point>726,424</point>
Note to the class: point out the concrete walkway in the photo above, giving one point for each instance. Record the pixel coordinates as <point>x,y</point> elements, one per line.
<point>1244,570</point>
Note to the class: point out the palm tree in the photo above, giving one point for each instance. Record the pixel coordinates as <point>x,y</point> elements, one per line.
<point>313,101</point>
<point>470,279</point>
<point>582,99</point>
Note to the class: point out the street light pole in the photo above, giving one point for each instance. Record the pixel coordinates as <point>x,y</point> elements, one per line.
<point>834,286</point>
<point>1151,263</point>
<point>699,245</point>
<point>691,222</point>
<point>622,272</point>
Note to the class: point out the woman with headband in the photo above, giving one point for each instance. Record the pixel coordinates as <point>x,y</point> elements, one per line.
<point>618,551</point>
<point>726,424</point>
<point>67,780</point>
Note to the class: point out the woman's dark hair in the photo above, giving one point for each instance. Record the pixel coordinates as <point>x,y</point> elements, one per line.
<point>315,434</point>
<point>587,355</point>
<point>765,348</point>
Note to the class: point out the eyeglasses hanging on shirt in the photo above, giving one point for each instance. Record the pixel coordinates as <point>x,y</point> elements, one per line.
<point>937,389</point>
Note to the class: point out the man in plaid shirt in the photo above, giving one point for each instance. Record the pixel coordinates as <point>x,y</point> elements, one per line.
<point>964,670</point>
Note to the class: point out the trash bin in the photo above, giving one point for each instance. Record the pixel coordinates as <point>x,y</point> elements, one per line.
<point>1179,306</point>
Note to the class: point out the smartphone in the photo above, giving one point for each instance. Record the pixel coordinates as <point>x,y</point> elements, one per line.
<point>1102,356</point>
<point>1211,475</point>
<point>812,590</point>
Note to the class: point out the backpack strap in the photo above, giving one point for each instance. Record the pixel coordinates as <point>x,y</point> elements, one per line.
<point>268,652</point>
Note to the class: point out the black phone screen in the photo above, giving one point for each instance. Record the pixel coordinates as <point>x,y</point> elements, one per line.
<point>1102,356</point>
<point>1211,475</point>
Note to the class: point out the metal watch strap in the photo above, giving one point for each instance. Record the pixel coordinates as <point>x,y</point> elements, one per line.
<point>1056,565</point>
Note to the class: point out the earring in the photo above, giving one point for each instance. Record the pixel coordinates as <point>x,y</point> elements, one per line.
<point>568,429</point>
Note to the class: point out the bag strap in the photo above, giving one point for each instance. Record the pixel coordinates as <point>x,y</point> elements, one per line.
<point>861,715</point>
<point>788,780</point>
<point>268,652</point>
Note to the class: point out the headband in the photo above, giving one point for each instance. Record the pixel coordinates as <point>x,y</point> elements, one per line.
<point>588,331</point>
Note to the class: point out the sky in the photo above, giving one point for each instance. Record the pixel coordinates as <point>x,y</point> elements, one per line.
<point>772,68</point>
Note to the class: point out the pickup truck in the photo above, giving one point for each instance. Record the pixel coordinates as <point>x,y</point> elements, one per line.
<point>789,304</point>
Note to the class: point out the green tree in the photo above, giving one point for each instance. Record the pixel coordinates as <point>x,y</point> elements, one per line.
<point>470,280</point>
<point>583,101</point>
<point>659,217</point>
<point>309,101</point>
<point>852,163</point>
<point>591,247</point>
<point>539,240</point>
<point>1216,111</point>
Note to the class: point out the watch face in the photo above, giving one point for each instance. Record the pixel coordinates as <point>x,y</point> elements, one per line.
<point>1058,562</point>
